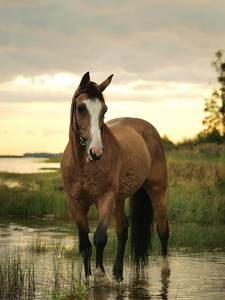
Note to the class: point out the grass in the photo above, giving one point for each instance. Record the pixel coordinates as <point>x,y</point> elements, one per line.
<point>196,185</point>
<point>192,237</point>
<point>196,206</point>
<point>17,280</point>
<point>78,291</point>
<point>18,271</point>
<point>195,194</point>
<point>37,194</point>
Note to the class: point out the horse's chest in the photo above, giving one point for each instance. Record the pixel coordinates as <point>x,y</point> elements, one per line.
<point>89,186</point>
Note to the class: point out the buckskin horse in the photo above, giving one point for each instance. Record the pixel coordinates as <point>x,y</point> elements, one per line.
<point>105,163</point>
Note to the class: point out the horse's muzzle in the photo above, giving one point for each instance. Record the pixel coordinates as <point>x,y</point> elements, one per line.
<point>92,157</point>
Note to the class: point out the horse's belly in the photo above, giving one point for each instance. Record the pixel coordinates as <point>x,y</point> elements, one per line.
<point>132,180</point>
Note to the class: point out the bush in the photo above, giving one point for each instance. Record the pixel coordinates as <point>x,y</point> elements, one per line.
<point>211,137</point>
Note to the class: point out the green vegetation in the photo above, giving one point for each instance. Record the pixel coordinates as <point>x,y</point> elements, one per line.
<point>36,194</point>
<point>196,184</point>
<point>18,270</point>
<point>78,292</point>
<point>17,280</point>
<point>196,187</point>
<point>18,277</point>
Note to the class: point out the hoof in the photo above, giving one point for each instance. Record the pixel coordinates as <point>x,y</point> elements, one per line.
<point>118,277</point>
<point>118,272</point>
<point>88,279</point>
<point>99,273</point>
<point>165,269</point>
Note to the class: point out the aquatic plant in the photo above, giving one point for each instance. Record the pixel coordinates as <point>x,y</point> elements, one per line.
<point>17,280</point>
<point>78,292</point>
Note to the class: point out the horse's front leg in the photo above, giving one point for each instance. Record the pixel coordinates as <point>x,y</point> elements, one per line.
<point>105,205</point>
<point>79,215</point>
<point>122,235</point>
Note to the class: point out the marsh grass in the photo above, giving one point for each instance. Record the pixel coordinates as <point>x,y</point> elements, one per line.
<point>18,271</point>
<point>196,206</point>
<point>38,194</point>
<point>17,279</point>
<point>195,194</point>
<point>192,237</point>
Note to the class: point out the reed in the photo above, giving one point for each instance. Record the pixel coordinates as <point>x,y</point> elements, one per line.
<point>17,280</point>
<point>38,194</point>
<point>18,270</point>
<point>195,194</point>
<point>192,237</point>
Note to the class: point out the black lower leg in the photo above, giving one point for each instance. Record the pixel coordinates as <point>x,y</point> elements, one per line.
<point>85,248</point>
<point>164,238</point>
<point>100,240</point>
<point>118,266</point>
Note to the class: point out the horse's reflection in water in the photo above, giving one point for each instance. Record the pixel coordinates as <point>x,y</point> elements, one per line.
<point>138,287</point>
<point>105,163</point>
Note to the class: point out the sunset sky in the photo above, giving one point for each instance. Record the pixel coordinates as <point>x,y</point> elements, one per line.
<point>160,53</point>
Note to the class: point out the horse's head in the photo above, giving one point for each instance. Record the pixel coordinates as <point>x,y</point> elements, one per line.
<point>88,110</point>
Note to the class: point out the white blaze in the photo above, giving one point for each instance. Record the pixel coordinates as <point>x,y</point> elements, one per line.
<point>94,107</point>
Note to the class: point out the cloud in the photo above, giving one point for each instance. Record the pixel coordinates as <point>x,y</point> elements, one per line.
<point>60,88</point>
<point>160,40</point>
<point>159,52</point>
<point>44,88</point>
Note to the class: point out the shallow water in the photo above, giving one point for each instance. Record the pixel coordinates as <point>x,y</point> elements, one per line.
<point>193,275</point>
<point>25,165</point>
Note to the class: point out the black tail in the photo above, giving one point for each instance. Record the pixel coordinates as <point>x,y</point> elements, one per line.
<point>141,227</point>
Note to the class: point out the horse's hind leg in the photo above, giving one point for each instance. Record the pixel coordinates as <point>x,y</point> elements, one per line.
<point>122,235</point>
<point>157,196</point>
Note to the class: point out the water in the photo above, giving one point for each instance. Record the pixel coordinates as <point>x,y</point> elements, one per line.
<point>193,275</point>
<point>25,165</point>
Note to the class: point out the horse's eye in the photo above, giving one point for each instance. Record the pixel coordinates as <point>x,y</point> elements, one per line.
<point>81,108</point>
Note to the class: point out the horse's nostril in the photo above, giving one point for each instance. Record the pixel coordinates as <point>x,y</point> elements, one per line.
<point>91,153</point>
<point>94,156</point>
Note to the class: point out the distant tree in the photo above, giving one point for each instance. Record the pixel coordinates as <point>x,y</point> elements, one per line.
<point>168,144</point>
<point>213,118</point>
<point>215,112</point>
<point>210,137</point>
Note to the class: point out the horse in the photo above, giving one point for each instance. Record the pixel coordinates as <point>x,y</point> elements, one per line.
<point>105,163</point>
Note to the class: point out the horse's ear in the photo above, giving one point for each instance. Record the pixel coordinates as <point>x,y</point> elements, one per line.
<point>105,83</point>
<point>84,81</point>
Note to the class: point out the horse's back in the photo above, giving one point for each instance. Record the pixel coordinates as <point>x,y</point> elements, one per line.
<point>139,125</point>
<point>122,128</point>
<point>141,148</point>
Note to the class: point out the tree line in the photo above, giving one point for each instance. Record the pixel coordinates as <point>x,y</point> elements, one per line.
<point>214,108</point>
<point>214,120</point>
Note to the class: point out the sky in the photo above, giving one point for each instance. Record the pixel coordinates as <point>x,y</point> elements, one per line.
<point>160,53</point>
